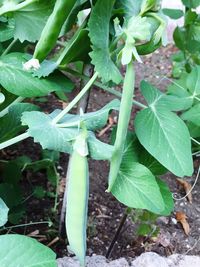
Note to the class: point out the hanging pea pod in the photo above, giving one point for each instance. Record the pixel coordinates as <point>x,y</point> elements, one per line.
<point>77,197</point>
<point>52,28</point>
<point>124,117</point>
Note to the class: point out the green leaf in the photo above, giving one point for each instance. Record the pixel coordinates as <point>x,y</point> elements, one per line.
<point>169,102</point>
<point>52,137</point>
<point>192,115</point>
<point>20,82</point>
<point>93,120</point>
<point>99,150</point>
<point>3,213</point>
<point>191,3</point>
<point>193,81</point>
<point>74,50</point>
<point>166,137</point>
<point>99,36</point>
<point>11,194</point>
<point>193,129</point>
<point>30,21</point>
<point>24,251</point>
<point>130,8</point>
<point>6,31</point>
<point>12,173</point>
<point>136,187</point>
<point>173,13</point>
<point>47,134</point>
<point>180,39</point>
<point>167,197</point>
<point>11,123</point>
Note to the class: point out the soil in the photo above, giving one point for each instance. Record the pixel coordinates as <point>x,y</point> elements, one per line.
<point>105,212</point>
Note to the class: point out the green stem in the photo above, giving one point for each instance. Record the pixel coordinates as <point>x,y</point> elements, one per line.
<point>5,111</point>
<point>195,141</point>
<point>24,225</point>
<point>105,88</point>
<point>76,99</point>
<point>14,140</point>
<point>11,7</point>
<point>57,184</point>
<point>123,122</point>
<point>9,47</point>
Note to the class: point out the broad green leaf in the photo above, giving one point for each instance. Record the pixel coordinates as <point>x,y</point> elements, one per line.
<point>150,162</point>
<point>20,82</point>
<point>167,197</point>
<point>135,152</point>
<point>173,13</point>
<point>47,134</point>
<point>51,137</point>
<point>18,250</point>
<point>6,30</point>
<point>148,5</point>
<point>191,3</point>
<point>136,187</point>
<point>180,38</point>
<point>11,194</point>
<point>192,115</point>
<point>166,138</point>
<point>179,87</point>
<point>10,124</point>
<point>9,98</point>
<point>75,50</point>
<point>130,8</point>
<point>30,21</point>
<point>170,102</point>
<point>12,172</point>
<point>3,213</point>
<point>99,150</point>
<point>193,129</point>
<point>93,120</point>
<point>193,38</point>
<point>99,36</point>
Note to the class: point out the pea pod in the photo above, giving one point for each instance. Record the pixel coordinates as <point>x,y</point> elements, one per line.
<point>77,198</point>
<point>52,28</point>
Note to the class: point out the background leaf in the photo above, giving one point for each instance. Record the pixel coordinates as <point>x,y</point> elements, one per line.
<point>99,35</point>
<point>30,21</point>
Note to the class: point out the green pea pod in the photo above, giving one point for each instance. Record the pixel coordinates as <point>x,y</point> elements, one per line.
<point>148,48</point>
<point>52,28</point>
<point>77,198</point>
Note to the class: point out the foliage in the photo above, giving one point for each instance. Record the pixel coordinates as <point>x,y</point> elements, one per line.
<point>114,33</point>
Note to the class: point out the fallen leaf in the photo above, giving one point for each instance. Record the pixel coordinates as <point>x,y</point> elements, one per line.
<point>110,124</point>
<point>182,218</point>
<point>187,187</point>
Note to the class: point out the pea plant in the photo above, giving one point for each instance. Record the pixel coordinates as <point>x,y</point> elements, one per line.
<point>35,61</point>
<point>186,37</point>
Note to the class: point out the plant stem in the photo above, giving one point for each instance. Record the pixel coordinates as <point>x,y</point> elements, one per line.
<point>13,7</point>
<point>195,141</point>
<point>57,184</point>
<point>76,99</point>
<point>14,140</point>
<point>123,122</point>
<point>116,236</point>
<point>9,47</point>
<point>24,225</point>
<point>105,88</point>
<point>5,111</point>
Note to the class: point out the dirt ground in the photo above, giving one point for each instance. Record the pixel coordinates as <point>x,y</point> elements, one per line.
<point>105,212</point>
